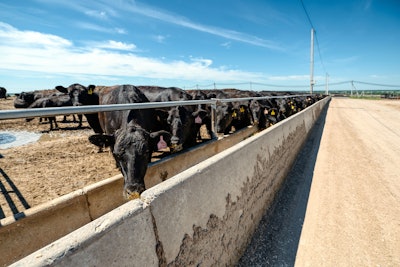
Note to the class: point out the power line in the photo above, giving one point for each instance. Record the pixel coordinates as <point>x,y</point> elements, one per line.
<point>377,84</point>
<point>316,37</point>
<point>305,11</point>
<point>350,82</point>
<point>319,53</point>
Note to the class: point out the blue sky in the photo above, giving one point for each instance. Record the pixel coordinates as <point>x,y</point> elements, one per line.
<point>255,44</point>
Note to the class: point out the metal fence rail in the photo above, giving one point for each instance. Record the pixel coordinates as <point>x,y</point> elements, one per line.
<point>48,112</point>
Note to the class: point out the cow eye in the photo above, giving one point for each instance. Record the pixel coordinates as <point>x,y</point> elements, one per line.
<point>119,155</point>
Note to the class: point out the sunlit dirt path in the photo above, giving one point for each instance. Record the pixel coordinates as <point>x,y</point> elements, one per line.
<point>353,212</point>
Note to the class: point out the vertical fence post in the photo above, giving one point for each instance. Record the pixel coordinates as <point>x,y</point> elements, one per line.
<point>213,118</point>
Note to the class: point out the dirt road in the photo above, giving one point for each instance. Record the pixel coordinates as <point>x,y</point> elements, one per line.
<point>340,204</point>
<point>353,212</point>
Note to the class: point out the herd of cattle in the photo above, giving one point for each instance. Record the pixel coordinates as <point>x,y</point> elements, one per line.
<point>3,92</point>
<point>134,134</point>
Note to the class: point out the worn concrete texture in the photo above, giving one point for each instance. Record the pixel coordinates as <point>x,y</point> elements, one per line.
<point>78,208</point>
<point>19,238</point>
<point>123,237</point>
<point>203,216</point>
<point>276,238</point>
<point>207,214</point>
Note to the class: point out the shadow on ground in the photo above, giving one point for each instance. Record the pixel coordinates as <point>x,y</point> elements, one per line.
<point>276,239</point>
<point>6,182</point>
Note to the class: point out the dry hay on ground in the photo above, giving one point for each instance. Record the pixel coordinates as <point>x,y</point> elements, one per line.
<point>60,162</point>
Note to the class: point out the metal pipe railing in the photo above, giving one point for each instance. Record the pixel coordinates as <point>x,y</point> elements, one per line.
<point>54,111</point>
<point>47,112</point>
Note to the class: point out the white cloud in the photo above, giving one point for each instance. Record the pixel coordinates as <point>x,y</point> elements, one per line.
<point>201,62</point>
<point>96,14</point>
<point>185,22</point>
<point>13,37</point>
<point>226,45</point>
<point>111,44</point>
<point>94,27</point>
<point>57,56</point>
<point>159,38</point>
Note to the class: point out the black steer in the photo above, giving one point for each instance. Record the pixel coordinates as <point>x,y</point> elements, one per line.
<point>81,95</point>
<point>179,121</point>
<point>3,93</point>
<point>131,134</point>
<point>54,101</point>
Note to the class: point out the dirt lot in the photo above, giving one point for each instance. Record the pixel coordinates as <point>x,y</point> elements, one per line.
<point>353,211</point>
<point>60,162</point>
<point>340,205</point>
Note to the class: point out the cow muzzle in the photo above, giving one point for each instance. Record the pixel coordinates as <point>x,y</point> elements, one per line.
<point>133,191</point>
<point>176,147</point>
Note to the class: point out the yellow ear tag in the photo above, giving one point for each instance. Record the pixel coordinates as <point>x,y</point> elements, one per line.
<point>292,107</point>
<point>234,114</point>
<point>241,109</point>
<point>90,91</point>
<point>273,112</point>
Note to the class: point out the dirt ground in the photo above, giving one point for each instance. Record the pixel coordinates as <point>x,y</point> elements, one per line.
<point>353,211</point>
<point>60,162</point>
<point>340,204</point>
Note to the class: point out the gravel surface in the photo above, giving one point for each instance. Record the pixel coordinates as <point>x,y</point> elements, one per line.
<point>340,204</point>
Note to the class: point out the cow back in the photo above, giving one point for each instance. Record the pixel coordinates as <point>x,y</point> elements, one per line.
<point>111,121</point>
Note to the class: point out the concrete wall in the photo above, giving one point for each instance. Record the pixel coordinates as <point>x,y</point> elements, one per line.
<point>43,224</point>
<point>204,215</point>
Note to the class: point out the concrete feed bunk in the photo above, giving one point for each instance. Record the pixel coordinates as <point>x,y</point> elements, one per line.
<point>203,215</point>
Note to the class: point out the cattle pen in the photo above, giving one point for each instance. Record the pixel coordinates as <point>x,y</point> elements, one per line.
<point>47,112</point>
<point>87,202</point>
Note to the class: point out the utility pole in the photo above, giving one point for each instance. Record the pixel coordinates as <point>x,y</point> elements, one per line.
<point>326,83</point>
<point>312,62</point>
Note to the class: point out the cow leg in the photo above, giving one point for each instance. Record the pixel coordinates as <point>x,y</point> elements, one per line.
<point>80,120</point>
<point>53,119</point>
<point>51,124</point>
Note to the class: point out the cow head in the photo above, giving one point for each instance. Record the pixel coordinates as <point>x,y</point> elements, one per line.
<point>131,149</point>
<point>175,121</point>
<point>80,95</point>
<point>182,127</point>
<point>282,105</point>
<point>224,116</point>
<point>24,99</point>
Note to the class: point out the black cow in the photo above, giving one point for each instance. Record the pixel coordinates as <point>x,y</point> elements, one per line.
<point>260,109</point>
<point>179,121</point>
<point>3,92</point>
<point>25,99</point>
<point>223,111</point>
<point>56,100</point>
<point>202,113</point>
<point>44,98</point>
<point>131,134</point>
<point>237,113</point>
<point>81,95</point>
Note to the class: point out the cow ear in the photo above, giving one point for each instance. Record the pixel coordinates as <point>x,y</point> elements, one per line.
<point>200,112</point>
<point>62,89</point>
<point>162,132</point>
<point>102,140</point>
